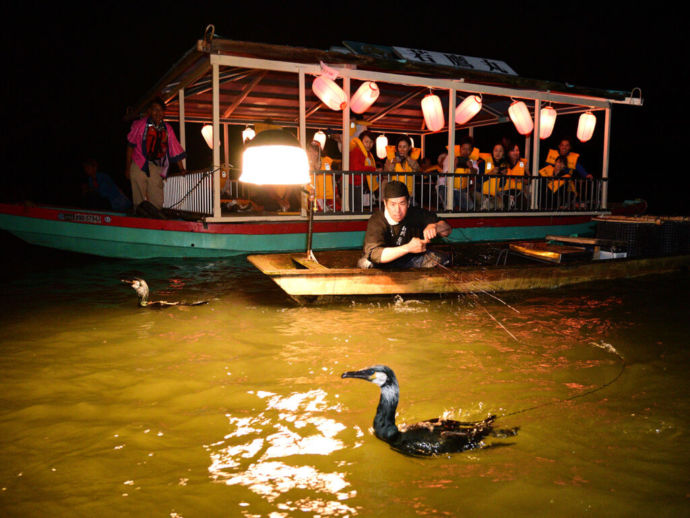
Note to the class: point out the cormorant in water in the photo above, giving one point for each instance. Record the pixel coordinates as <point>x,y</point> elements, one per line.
<point>142,290</point>
<point>432,437</point>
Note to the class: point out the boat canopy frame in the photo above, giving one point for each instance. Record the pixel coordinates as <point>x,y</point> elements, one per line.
<point>226,82</point>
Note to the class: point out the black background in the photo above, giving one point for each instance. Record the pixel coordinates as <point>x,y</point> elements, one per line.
<point>72,71</point>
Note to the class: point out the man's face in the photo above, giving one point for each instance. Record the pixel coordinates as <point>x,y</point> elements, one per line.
<point>397,208</point>
<point>564,147</point>
<point>465,150</point>
<point>156,112</point>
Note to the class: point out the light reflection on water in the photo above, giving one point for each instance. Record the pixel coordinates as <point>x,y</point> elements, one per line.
<point>292,425</point>
<point>237,408</point>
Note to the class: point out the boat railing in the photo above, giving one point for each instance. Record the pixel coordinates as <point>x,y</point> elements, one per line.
<point>471,193</point>
<point>191,192</point>
<point>355,192</point>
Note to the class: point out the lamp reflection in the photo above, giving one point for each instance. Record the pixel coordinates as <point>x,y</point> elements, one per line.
<point>262,453</point>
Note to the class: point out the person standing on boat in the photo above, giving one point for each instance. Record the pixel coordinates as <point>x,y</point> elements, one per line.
<point>361,159</point>
<point>151,147</point>
<point>398,236</point>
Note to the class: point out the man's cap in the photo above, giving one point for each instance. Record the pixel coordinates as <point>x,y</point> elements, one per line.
<point>395,189</point>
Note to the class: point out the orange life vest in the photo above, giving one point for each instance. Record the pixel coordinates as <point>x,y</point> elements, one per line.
<point>491,186</point>
<point>323,183</point>
<point>571,159</point>
<point>554,185</point>
<point>517,170</point>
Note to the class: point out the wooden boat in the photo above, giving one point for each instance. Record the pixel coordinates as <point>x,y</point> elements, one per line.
<point>532,265</point>
<point>231,84</point>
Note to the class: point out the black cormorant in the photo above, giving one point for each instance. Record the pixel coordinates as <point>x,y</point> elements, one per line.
<point>432,437</point>
<point>142,290</point>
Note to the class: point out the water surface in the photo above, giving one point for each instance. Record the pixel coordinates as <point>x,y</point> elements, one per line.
<point>237,408</point>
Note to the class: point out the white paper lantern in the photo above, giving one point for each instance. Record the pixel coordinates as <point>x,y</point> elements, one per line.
<point>381,143</point>
<point>248,134</point>
<point>547,119</point>
<point>585,126</point>
<point>330,93</point>
<point>207,133</point>
<point>433,112</point>
<point>274,157</point>
<point>364,97</point>
<point>320,137</point>
<point>467,109</point>
<point>520,116</point>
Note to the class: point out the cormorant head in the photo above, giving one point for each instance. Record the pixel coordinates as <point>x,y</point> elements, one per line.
<point>139,286</point>
<point>382,375</point>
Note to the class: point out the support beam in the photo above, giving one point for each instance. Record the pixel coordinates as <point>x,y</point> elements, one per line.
<point>534,201</point>
<point>243,95</point>
<point>451,149</point>
<point>216,147</point>
<point>183,128</point>
<point>605,161</point>
<point>346,146</point>
<point>302,110</point>
<point>397,104</point>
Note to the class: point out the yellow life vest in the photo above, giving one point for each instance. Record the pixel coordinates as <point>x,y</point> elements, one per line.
<point>461,183</point>
<point>323,183</point>
<point>406,179</point>
<point>369,158</point>
<point>491,186</point>
<point>554,185</point>
<point>517,170</point>
<point>571,158</point>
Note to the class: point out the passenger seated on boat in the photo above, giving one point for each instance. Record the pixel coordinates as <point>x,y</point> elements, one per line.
<point>100,191</point>
<point>398,236</point>
<point>495,163</point>
<point>466,190</point>
<point>556,194</point>
<point>326,195</point>
<point>151,147</point>
<point>516,192</point>
<point>402,159</point>
<point>361,159</point>
<point>572,159</point>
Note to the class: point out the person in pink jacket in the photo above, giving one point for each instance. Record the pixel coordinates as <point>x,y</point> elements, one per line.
<point>151,147</point>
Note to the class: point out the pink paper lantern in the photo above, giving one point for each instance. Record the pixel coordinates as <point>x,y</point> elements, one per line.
<point>547,119</point>
<point>433,112</point>
<point>330,93</point>
<point>585,126</point>
<point>520,116</point>
<point>364,97</point>
<point>468,108</point>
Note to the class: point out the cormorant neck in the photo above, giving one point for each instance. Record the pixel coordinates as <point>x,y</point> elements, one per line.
<point>384,422</point>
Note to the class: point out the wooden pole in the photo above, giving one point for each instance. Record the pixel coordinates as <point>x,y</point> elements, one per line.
<point>451,149</point>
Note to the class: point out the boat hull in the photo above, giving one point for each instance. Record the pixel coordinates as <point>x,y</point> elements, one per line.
<point>118,235</point>
<point>300,278</point>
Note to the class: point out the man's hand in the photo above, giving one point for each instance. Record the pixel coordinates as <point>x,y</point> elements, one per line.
<point>416,245</point>
<point>430,232</point>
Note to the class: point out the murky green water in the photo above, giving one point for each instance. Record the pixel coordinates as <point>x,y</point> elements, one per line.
<point>237,408</point>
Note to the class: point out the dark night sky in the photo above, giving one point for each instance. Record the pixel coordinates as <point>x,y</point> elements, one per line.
<point>70,78</point>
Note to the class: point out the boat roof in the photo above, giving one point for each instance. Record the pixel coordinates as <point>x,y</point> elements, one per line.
<point>259,82</point>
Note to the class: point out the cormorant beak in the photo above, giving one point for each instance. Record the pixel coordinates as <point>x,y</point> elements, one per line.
<point>127,281</point>
<point>365,374</point>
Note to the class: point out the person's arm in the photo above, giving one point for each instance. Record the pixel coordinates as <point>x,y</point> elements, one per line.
<point>582,172</point>
<point>440,228</point>
<point>414,246</point>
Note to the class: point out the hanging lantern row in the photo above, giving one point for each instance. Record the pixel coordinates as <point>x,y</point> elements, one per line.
<point>207,133</point>
<point>248,134</point>
<point>381,144</point>
<point>433,112</point>
<point>585,126</point>
<point>320,137</point>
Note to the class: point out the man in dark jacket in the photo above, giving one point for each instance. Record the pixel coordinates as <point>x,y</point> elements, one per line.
<point>397,237</point>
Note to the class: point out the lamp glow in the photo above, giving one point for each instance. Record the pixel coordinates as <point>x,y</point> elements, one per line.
<point>364,97</point>
<point>547,119</point>
<point>329,93</point>
<point>433,112</point>
<point>520,116</point>
<point>320,137</point>
<point>207,133</point>
<point>275,158</point>
<point>248,134</point>
<point>585,126</point>
<point>467,109</point>
<point>381,143</point>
